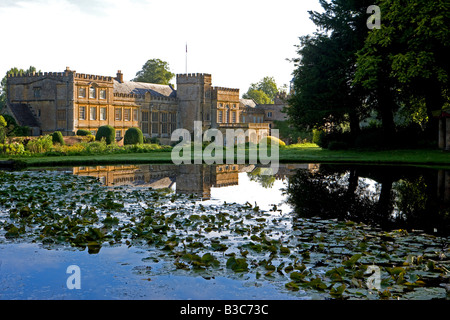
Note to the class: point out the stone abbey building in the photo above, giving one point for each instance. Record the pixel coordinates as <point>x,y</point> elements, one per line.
<point>68,101</point>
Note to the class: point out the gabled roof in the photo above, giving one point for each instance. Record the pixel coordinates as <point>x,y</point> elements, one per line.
<point>248,103</point>
<point>157,90</point>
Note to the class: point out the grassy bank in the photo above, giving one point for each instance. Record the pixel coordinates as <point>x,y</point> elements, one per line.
<point>313,153</point>
<point>306,153</point>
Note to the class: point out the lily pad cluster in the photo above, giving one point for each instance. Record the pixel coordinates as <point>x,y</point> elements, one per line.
<point>308,257</point>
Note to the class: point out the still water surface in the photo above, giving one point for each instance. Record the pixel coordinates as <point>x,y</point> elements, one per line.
<point>382,198</point>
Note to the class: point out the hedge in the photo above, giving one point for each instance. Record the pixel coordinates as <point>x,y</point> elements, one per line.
<point>107,132</point>
<point>57,137</point>
<point>133,136</point>
<point>83,132</point>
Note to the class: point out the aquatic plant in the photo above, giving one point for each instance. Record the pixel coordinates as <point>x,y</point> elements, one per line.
<point>321,258</point>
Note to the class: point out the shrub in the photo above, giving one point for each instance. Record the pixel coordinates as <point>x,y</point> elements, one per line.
<point>84,132</point>
<point>324,139</point>
<point>133,136</point>
<point>95,147</point>
<point>107,132</point>
<point>13,129</point>
<point>318,137</point>
<point>275,140</point>
<point>57,137</point>
<point>3,125</point>
<point>155,140</point>
<point>76,149</point>
<point>40,145</point>
<point>14,148</point>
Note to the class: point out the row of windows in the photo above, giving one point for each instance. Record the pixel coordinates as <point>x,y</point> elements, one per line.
<point>163,122</point>
<point>92,93</point>
<point>256,119</point>
<point>155,117</point>
<point>156,128</point>
<point>220,116</point>
<point>127,113</point>
<point>227,106</point>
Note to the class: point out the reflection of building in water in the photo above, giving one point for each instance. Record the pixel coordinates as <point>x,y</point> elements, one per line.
<point>189,179</point>
<point>226,175</point>
<point>444,185</point>
<point>198,179</point>
<point>289,169</point>
<point>154,176</point>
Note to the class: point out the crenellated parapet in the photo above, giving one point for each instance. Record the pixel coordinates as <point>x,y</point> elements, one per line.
<point>128,95</point>
<point>83,76</point>
<point>37,75</point>
<point>193,78</point>
<point>225,90</point>
<point>33,76</point>
<point>163,99</point>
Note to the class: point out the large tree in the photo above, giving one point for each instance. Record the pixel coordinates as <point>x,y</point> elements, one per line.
<point>155,71</point>
<point>263,92</point>
<point>408,55</point>
<point>324,92</point>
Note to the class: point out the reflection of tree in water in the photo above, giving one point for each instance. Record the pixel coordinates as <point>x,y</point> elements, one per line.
<point>265,180</point>
<point>387,197</point>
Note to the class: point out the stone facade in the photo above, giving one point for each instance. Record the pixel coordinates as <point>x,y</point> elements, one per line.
<point>68,101</point>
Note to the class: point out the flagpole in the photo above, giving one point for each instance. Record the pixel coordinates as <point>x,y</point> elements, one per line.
<point>186,57</point>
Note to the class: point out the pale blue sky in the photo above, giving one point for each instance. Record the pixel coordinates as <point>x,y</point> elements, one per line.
<point>238,42</point>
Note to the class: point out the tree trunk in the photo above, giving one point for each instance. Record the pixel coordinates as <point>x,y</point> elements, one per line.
<point>354,124</point>
<point>386,107</point>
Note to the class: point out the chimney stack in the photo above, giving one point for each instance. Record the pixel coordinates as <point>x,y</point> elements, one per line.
<point>119,76</point>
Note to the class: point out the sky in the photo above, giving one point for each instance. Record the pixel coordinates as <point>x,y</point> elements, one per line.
<point>238,42</point>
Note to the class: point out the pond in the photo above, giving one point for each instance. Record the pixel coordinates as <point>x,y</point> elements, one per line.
<point>312,231</point>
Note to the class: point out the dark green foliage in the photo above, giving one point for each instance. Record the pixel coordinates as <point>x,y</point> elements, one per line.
<point>155,140</point>
<point>291,134</point>
<point>409,56</point>
<point>338,145</point>
<point>13,129</point>
<point>133,136</point>
<point>83,132</point>
<point>106,132</point>
<point>57,137</point>
<point>323,92</point>
<point>373,138</point>
<point>318,136</point>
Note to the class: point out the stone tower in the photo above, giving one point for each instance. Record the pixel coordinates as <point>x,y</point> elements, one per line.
<point>194,100</point>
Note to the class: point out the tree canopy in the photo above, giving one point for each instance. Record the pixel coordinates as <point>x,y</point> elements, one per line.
<point>346,70</point>
<point>263,92</point>
<point>155,71</point>
<point>410,51</point>
<point>323,91</point>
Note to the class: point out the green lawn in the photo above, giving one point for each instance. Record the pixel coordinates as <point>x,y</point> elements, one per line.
<point>309,153</point>
<point>312,153</point>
